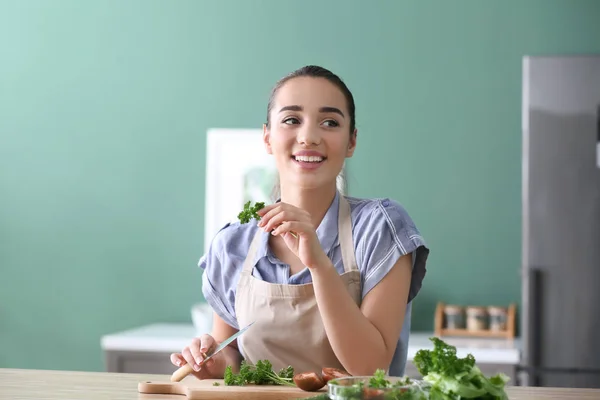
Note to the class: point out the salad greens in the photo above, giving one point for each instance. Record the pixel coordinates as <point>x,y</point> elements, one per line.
<point>445,377</point>
<point>380,388</point>
<point>249,212</point>
<point>260,374</point>
<point>453,378</point>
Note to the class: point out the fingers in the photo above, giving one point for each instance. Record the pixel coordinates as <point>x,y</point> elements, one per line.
<point>282,213</point>
<point>267,208</point>
<point>270,222</point>
<point>201,346</point>
<point>189,358</point>
<point>267,213</point>
<point>195,353</point>
<point>292,227</point>
<point>177,359</point>
<point>207,345</point>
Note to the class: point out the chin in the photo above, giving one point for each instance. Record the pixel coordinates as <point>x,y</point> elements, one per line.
<point>313,184</point>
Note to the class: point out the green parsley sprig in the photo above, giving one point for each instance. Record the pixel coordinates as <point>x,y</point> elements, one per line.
<point>251,212</point>
<point>260,374</point>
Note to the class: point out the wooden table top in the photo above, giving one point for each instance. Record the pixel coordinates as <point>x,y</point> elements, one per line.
<point>66,385</point>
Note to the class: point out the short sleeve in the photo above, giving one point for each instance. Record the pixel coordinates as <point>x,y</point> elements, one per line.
<point>218,286</point>
<point>387,234</point>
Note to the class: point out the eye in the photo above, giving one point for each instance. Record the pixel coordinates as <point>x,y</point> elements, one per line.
<point>291,120</point>
<point>331,123</point>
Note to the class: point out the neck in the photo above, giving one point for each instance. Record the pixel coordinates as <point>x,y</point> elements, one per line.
<point>315,201</point>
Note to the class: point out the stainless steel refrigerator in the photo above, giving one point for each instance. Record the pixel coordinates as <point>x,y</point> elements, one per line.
<point>560,316</point>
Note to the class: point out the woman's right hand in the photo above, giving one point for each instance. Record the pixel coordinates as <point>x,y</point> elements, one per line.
<point>196,352</point>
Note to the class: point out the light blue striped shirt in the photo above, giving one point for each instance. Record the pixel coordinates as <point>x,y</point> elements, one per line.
<point>382,232</point>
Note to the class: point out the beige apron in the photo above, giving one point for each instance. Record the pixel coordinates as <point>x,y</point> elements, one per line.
<point>288,328</point>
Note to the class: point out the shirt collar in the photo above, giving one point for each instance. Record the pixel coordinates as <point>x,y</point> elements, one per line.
<point>327,232</point>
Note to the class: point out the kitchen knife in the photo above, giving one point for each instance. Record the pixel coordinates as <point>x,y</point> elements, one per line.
<point>187,369</point>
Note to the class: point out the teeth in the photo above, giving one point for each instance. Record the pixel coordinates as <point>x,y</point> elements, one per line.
<point>309,158</point>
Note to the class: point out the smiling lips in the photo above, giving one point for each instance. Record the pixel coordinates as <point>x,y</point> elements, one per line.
<point>308,159</point>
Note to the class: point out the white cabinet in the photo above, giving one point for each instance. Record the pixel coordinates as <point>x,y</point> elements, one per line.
<point>146,349</point>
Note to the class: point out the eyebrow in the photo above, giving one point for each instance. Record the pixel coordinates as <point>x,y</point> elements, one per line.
<point>322,109</point>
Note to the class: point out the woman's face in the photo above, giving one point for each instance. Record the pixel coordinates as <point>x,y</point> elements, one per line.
<point>309,133</point>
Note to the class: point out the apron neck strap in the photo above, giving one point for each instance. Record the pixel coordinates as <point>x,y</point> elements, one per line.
<point>344,236</point>
<point>249,261</point>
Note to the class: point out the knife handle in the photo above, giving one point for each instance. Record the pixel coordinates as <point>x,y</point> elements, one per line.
<point>187,369</point>
<point>181,373</point>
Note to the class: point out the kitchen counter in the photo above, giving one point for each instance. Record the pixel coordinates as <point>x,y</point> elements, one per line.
<point>169,338</point>
<point>146,350</point>
<point>66,385</point>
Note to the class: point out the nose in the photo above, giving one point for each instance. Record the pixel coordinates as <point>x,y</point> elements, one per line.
<point>308,136</point>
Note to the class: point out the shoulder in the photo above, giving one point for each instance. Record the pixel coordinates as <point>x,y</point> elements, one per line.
<point>382,216</point>
<point>222,263</point>
<point>232,240</point>
<point>230,244</point>
<point>383,231</point>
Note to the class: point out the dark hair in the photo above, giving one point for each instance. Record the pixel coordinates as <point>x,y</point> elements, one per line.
<point>315,71</point>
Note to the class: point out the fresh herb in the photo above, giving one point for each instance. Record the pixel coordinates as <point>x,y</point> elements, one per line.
<point>322,396</point>
<point>379,387</point>
<point>260,374</point>
<point>216,383</point>
<point>378,380</point>
<point>354,392</point>
<point>250,212</point>
<point>452,378</point>
<point>445,377</point>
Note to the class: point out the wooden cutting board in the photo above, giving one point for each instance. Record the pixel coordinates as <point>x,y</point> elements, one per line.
<point>195,389</point>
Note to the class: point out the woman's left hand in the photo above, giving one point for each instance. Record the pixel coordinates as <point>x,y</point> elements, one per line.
<point>288,221</point>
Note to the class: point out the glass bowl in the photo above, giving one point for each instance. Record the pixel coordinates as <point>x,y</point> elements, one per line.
<point>357,388</point>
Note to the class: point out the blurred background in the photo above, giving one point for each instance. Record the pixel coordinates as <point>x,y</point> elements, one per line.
<point>104,113</point>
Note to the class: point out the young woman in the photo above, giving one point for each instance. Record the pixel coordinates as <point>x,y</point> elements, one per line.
<point>327,279</point>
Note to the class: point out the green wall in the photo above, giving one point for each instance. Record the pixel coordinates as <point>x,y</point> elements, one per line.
<point>104,107</point>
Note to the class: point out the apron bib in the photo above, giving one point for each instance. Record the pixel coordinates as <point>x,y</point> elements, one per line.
<point>288,328</point>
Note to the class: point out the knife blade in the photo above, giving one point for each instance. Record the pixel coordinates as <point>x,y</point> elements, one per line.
<point>185,370</point>
<point>224,343</point>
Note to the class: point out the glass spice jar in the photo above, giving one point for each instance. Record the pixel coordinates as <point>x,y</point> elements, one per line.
<point>455,317</point>
<point>476,318</point>
<point>498,317</point>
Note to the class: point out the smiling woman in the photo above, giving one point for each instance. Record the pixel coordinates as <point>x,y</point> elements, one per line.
<point>333,114</point>
<point>327,279</point>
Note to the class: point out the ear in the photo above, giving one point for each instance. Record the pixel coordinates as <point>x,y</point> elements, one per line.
<point>352,144</point>
<point>266,139</point>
